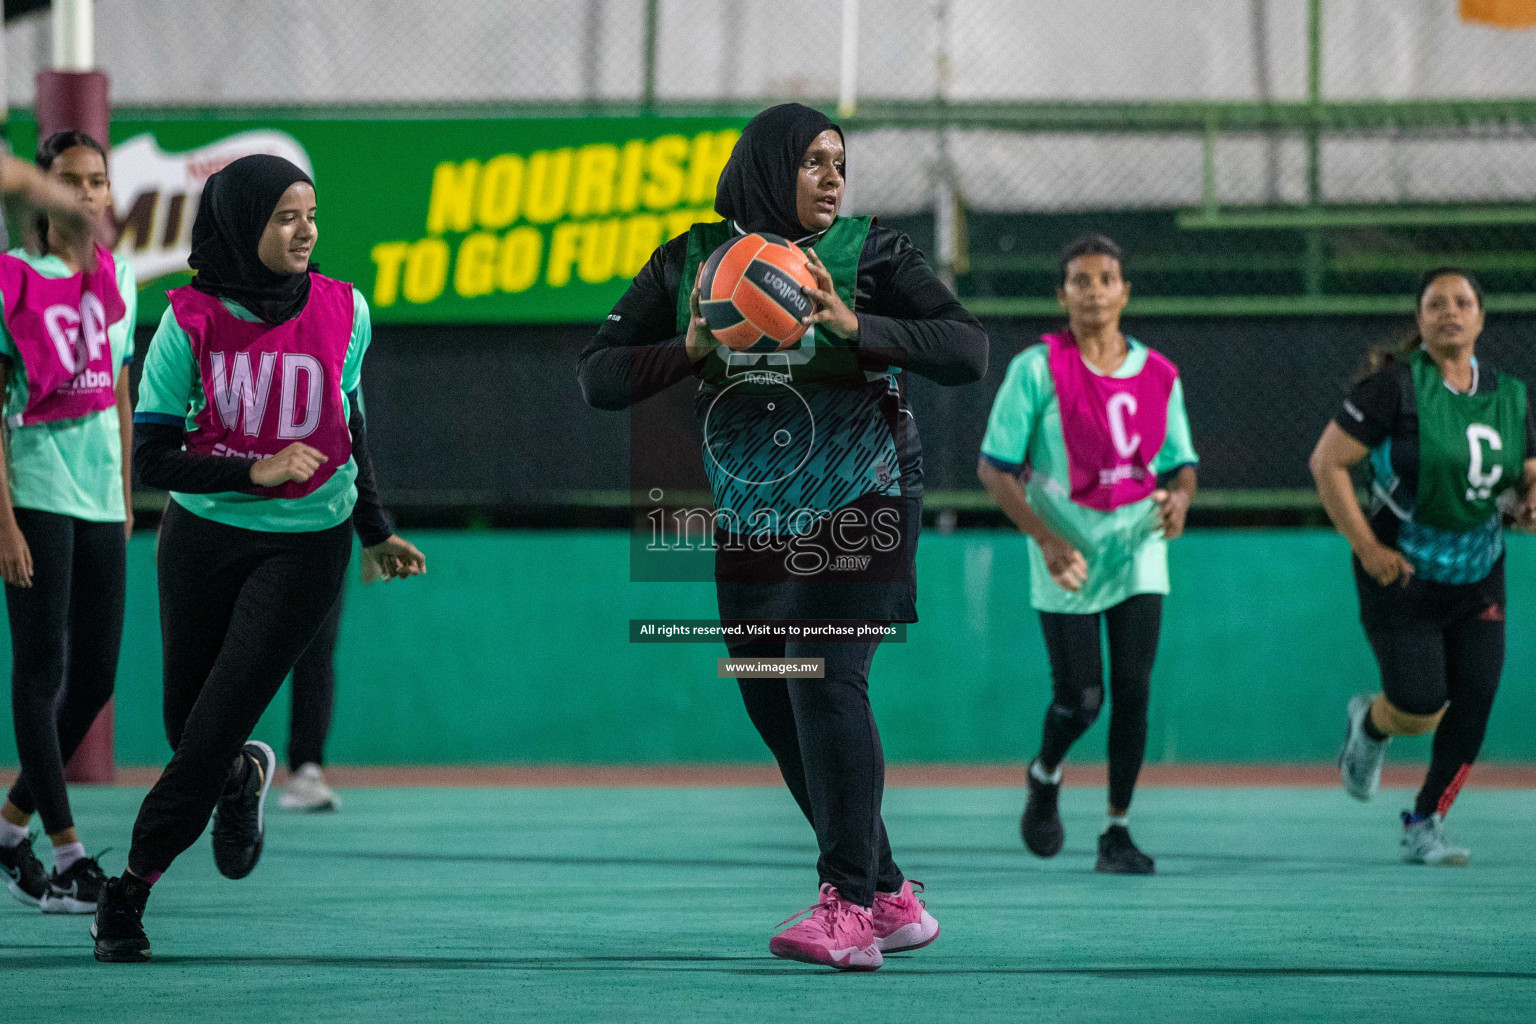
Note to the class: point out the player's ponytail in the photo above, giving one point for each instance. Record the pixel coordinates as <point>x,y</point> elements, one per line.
<point>1402,346</point>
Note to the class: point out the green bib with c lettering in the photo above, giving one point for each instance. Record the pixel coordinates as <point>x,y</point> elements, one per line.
<point>1471,447</point>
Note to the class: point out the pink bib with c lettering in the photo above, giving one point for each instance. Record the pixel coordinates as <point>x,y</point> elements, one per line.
<point>1113,426</point>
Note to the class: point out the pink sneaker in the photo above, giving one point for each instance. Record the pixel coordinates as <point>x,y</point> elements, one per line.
<point>901,922</point>
<point>838,933</point>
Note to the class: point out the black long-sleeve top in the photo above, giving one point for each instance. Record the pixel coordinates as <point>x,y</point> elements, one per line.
<point>161,461</point>
<point>907,319</point>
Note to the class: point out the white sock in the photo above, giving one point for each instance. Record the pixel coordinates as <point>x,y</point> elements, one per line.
<point>12,834</point>
<point>66,855</point>
<point>1041,775</point>
<point>1123,821</point>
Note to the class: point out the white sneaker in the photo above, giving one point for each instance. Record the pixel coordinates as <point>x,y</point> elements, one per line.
<point>307,791</point>
<point>1360,760</point>
<point>1424,843</point>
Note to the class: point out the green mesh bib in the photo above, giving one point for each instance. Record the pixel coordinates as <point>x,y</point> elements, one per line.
<point>1471,447</point>
<point>794,434</point>
<point>818,357</point>
<point>1471,451</point>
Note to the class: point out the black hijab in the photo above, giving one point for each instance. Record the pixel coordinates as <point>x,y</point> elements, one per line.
<point>236,205</point>
<point>757,187</point>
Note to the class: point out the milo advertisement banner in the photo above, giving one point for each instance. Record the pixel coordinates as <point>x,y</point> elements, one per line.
<point>437,221</point>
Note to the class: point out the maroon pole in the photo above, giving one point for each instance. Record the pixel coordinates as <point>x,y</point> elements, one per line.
<point>77,101</point>
<point>72,101</point>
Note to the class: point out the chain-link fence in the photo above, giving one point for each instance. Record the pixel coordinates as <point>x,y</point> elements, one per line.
<point>963,51</point>
<point>1259,159</point>
<point>1254,214</point>
<point>1156,103</point>
<point>956,52</point>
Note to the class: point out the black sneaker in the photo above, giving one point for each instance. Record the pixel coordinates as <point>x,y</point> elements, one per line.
<point>76,890</point>
<point>119,928</point>
<point>28,879</point>
<point>1119,856</point>
<point>1041,825</point>
<point>239,824</point>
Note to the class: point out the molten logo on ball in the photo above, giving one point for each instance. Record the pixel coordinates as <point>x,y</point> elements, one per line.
<point>753,293</point>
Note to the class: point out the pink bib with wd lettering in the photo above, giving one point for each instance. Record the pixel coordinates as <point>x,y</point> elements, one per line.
<point>59,327</point>
<point>1113,426</point>
<point>269,385</point>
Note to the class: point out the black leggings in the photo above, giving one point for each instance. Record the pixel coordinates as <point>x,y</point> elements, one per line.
<point>1077,685</point>
<point>1439,642</point>
<point>822,733</point>
<point>65,633</point>
<point>314,693</point>
<point>237,609</point>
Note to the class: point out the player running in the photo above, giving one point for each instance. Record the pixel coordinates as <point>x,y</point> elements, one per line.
<point>1452,448</point>
<point>249,414</point>
<point>1084,427</point>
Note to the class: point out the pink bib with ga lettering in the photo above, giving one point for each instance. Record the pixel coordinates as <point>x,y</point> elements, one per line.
<point>1113,426</point>
<point>59,327</point>
<point>269,385</point>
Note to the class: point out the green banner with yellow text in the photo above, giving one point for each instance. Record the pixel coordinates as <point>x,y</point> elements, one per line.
<point>437,221</point>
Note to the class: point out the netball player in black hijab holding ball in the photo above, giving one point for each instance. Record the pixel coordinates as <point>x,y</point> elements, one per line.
<point>843,476</point>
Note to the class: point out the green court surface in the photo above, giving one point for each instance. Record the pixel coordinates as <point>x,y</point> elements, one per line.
<point>657,904</point>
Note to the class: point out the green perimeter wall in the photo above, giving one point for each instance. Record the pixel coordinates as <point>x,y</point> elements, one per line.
<point>514,649</point>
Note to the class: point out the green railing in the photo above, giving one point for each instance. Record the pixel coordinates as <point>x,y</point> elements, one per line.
<point>1164,116</point>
